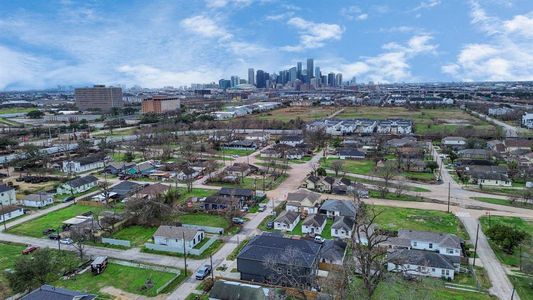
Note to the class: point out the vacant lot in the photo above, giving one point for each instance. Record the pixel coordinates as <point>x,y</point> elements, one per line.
<point>9,253</point>
<point>527,226</point>
<point>53,220</point>
<point>137,235</point>
<point>395,218</point>
<point>255,183</point>
<point>363,167</point>
<point>427,121</point>
<point>203,219</point>
<point>292,113</point>
<point>196,192</point>
<point>126,278</point>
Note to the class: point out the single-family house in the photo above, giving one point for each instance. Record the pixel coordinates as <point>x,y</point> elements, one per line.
<point>301,260</point>
<point>220,203</point>
<point>489,175</point>
<point>48,292</point>
<point>527,120</point>
<point>443,243</point>
<point>83,164</point>
<point>8,195</point>
<point>38,200</point>
<point>153,190</point>
<point>359,189</point>
<point>342,227</point>
<point>125,189</point>
<point>314,224</point>
<point>224,289</point>
<point>475,154</point>
<point>117,168</point>
<point>334,207</point>
<point>303,201</point>
<point>10,212</point>
<point>141,169</point>
<point>287,221</point>
<point>333,252</point>
<point>78,185</point>
<point>240,145</point>
<point>187,173</point>
<point>318,183</point>
<point>454,142</point>
<point>291,140</point>
<point>515,144</point>
<point>351,154</point>
<point>174,236</point>
<point>244,195</point>
<point>421,263</point>
<point>240,169</point>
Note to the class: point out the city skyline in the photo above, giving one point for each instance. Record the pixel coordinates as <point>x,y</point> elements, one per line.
<point>45,44</point>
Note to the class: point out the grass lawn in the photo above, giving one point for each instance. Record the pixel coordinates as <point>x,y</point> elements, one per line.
<point>193,296</point>
<point>239,152</point>
<point>16,110</point>
<point>523,286</point>
<point>298,229</point>
<point>364,167</point>
<point>291,113</point>
<point>326,233</point>
<point>137,235</point>
<point>381,183</point>
<point>527,226</point>
<point>9,252</point>
<point>393,196</point>
<point>396,218</point>
<point>203,219</point>
<point>54,219</point>
<point>419,176</point>
<point>196,192</point>
<point>427,121</point>
<point>208,252</point>
<point>502,202</point>
<point>129,279</point>
<point>60,197</point>
<point>468,278</point>
<point>263,225</point>
<point>254,183</point>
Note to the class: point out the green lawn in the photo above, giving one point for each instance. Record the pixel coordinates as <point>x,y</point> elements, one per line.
<point>129,279</point>
<point>298,229</point>
<point>239,152</point>
<point>9,252</point>
<point>196,192</point>
<point>527,226</point>
<point>326,233</point>
<point>235,252</point>
<point>396,218</point>
<point>523,286</point>
<point>381,183</point>
<point>203,219</point>
<point>137,235</point>
<point>16,110</point>
<point>208,252</point>
<point>502,202</point>
<point>364,167</point>
<point>393,196</point>
<point>419,176</point>
<point>254,183</point>
<point>468,278</point>
<point>54,219</point>
<point>263,225</point>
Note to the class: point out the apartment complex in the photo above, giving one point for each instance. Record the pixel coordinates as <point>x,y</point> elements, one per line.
<point>160,104</point>
<point>98,97</point>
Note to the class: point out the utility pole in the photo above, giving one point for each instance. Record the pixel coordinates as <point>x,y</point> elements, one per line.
<point>212,270</point>
<point>58,239</point>
<point>3,215</point>
<point>449,195</point>
<point>475,246</point>
<point>184,253</point>
<point>512,295</point>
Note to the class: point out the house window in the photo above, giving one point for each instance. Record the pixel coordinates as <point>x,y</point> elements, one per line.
<point>442,272</point>
<point>414,244</point>
<point>336,231</point>
<point>447,272</point>
<point>432,269</point>
<point>450,251</point>
<point>430,245</point>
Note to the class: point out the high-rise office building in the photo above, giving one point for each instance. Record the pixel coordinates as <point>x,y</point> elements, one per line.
<point>293,74</point>
<point>338,79</point>
<point>331,79</point>
<point>235,81</point>
<point>310,67</point>
<point>299,73</point>
<point>251,76</point>
<point>98,97</point>
<point>317,72</point>
<point>260,79</point>
<point>224,84</point>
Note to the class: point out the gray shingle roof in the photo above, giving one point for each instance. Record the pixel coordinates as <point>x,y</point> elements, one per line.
<point>333,250</point>
<point>443,239</point>
<point>344,207</point>
<point>343,222</point>
<point>82,181</point>
<point>287,217</point>
<point>48,292</point>
<point>315,220</point>
<point>5,188</point>
<point>174,232</point>
<point>420,258</point>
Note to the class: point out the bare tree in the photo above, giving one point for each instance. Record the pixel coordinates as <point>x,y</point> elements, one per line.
<point>149,210</point>
<point>400,188</point>
<point>80,235</point>
<point>387,172</point>
<point>337,166</point>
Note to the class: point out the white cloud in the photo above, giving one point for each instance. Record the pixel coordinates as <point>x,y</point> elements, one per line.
<point>393,64</point>
<point>223,3</point>
<point>353,13</point>
<point>506,55</point>
<point>313,35</point>
<point>362,17</point>
<point>205,26</point>
<point>427,4</point>
<point>153,77</point>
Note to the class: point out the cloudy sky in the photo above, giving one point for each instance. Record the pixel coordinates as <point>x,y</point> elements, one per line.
<point>161,43</point>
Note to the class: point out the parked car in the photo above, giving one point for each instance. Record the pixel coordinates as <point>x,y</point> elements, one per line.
<point>237,220</point>
<point>48,231</point>
<point>203,272</point>
<point>71,198</point>
<point>235,156</point>
<point>66,241</point>
<point>244,209</point>
<point>261,208</point>
<point>29,249</point>
<point>54,236</point>
<point>319,239</point>
<point>270,224</point>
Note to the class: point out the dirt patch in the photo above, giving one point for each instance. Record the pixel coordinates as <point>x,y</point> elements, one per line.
<point>119,294</point>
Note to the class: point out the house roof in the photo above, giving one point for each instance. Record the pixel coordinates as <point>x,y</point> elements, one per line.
<point>82,181</point>
<point>90,159</point>
<point>154,189</point>
<point>120,165</point>
<point>48,292</point>
<point>223,289</point>
<point>287,217</point>
<point>236,192</point>
<point>5,188</point>
<point>420,258</point>
<point>343,222</point>
<point>329,179</point>
<point>144,166</point>
<point>344,207</point>
<point>37,196</point>
<point>333,250</point>
<point>443,239</point>
<point>175,232</point>
<point>302,196</point>
<point>351,152</point>
<point>315,220</point>
<point>267,245</point>
<point>454,139</point>
<point>291,138</point>
<point>8,208</point>
<point>125,187</point>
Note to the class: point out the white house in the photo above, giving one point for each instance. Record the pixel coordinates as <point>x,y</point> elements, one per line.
<point>38,200</point>
<point>443,243</point>
<point>342,227</point>
<point>9,212</point>
<point>314,224</point>
<point>421,263</point>
<point>83,164</point>
<point>335,207</point>
<point>454,141</point>
<point>174,236</point>
<point>527,120</point>
<point>287,221</point>
<point>8,196</point>
<point>78,185</point>
<point>303,201</point>
<point>291,140</point>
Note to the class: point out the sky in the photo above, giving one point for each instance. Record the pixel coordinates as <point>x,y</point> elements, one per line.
<point>154,43</point>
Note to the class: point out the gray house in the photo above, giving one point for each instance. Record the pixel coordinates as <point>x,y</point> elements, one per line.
<point>302,265</point>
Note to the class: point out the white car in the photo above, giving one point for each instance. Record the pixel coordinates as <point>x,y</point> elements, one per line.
<point>66,241</point>
<point>319,239</point>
